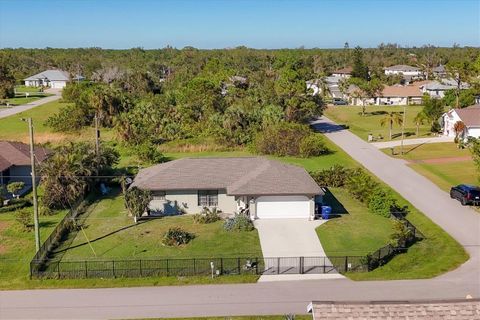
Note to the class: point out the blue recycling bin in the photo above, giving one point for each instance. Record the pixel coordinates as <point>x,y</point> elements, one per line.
<point>326,212</point>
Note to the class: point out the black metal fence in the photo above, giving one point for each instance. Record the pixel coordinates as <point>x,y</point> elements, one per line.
<point>196,267</point>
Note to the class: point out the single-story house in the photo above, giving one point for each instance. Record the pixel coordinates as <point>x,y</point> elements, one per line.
<point>409,73</point>
<point>343,72</point>
<point>262,187</point>
<point>470,116</point>
<point>314,85</point>
<point>400,95</point>
<point>390,95</point>
<point>15,162</point>
<point>439,71</point>
<point>437,89</point>
<point>57,79</point>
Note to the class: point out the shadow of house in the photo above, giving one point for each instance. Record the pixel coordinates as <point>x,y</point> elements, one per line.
<point>329,199</point>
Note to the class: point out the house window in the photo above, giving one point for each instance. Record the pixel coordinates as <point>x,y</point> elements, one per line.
<point>158,195</point>
<point>208,198</point>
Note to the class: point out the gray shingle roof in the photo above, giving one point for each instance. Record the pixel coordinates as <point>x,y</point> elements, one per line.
<point>401,310</point>
<point>239,176</point>
<point>470,115</point>
<point>52,75</point>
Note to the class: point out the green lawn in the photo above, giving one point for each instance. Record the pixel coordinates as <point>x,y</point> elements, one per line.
<point>370,122</point>
<point>444,174</point>
<point>19,100</point>
<point>17,247</point>
<point>113,234</point>
<point>352,234</point>
<point>22,89</point>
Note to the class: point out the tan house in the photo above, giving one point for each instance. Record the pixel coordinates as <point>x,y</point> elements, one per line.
<point>262,187</point>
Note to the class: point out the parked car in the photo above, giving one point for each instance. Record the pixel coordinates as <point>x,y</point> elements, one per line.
<point>339,102</point>
<point>466,194</point>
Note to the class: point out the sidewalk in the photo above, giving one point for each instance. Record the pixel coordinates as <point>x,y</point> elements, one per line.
<point>409,142</point>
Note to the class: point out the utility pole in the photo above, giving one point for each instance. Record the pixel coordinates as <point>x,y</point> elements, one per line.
<point>403,128</point>
<point>97,136</point>
<point>34,186</point>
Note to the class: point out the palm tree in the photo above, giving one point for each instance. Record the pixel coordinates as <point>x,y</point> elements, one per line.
<point>419,119</point>
<point>391,118</point>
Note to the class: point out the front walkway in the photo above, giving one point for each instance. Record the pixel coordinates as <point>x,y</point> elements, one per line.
<point>409,142</point>
<point>290,239</point>
<point>24,107</point>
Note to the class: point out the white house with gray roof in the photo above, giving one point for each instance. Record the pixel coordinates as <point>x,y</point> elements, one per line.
<point>403,70</point>
<point>262,187</point>
<point>57,79</point>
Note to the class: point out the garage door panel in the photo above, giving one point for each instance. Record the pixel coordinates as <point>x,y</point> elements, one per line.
<point>271,207</point>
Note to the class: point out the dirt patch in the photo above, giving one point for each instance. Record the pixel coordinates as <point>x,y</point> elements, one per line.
<point>443,160</point>
<point>4,225</point>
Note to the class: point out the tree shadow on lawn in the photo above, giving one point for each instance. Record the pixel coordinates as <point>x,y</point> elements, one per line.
<point>374,113</point>
<point>337,207</point>
<point>406,134</point>
<point>104,236</point>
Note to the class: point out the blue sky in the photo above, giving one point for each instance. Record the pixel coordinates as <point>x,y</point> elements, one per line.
<point>223,23</point>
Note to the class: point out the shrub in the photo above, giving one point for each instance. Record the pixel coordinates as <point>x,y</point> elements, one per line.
<point>69,118</point>
<point>207,216</point>
<point>15,187</point>
<point>335,176</point>
<point>361,185</point>
<point>177,236</point>
<point>401,234</point>
<point>137,201</point>
<point>381,202</point>
<point>149,152</point>
<point>238,223</point>
<point>313,145</point>
<point>24,217</point>
<point>281,140</point>
<point>15,204</point>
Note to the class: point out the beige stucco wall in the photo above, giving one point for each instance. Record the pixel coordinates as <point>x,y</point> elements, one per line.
<point>187,201</point>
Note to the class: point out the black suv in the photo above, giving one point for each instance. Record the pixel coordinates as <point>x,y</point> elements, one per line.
<point>466,194</point>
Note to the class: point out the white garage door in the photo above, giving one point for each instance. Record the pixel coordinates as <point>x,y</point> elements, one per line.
<point>270,207</point>
<point>58,84</point>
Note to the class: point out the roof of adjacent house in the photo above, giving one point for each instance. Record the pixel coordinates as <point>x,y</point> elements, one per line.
<point>402,310</point>
<point>402,67</point>
<point>346,70</point>
<point>444,84</point>
<point>411,90</point>
<point>52,75</point>
<point>239,176</point>
<point>439,69</point>
<point>18,154</point>
<point>470,115</point>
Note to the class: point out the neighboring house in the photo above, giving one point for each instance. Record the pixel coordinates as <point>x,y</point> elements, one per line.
<point>439,71</point>
<point>437,89</point>
<point>57,79</point>
<point>343,73</point>
<point>265,188</point>
<point>390,95</point>
<point>315,86</point>
<point>408,73</point>
<point>420,310</point>
<point>470,116</point>
<point>15,162</point>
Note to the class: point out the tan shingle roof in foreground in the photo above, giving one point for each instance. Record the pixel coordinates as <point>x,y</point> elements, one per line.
<point>239,176</point>
<point>406,310</point>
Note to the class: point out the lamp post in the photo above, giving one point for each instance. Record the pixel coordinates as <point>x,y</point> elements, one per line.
<point>34,185</point>
<point>403,129</point>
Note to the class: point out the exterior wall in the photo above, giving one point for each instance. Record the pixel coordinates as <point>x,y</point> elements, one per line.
<point>449,120</point>
<point>398,101</point>
<point>23,173</point>
<point>473,132</point>
<point>316,90</point>
<point>187,201</point>
<point>405,73</point>
<point>342,75</point>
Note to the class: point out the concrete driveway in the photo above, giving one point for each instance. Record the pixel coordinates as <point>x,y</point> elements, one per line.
<point>289,237</point>
<point>57,94</point>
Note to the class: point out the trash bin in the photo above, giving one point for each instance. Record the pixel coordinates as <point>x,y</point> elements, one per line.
<point>326,212</point>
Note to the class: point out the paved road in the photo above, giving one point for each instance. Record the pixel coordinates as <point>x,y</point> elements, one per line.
<point>24,107</point>
<point>279,297</point>
<point>409,142</point>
